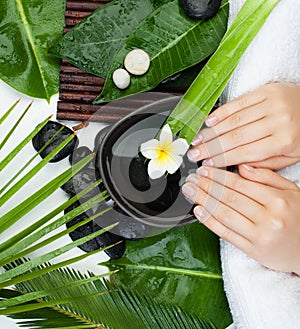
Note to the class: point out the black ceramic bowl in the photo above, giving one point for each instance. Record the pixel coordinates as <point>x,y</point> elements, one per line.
<point>158,203</point>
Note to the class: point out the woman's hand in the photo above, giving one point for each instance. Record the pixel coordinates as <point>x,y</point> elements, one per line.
<point>261,128</point>
<point>258,212</point>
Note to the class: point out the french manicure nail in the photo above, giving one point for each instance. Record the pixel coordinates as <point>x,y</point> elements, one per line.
<point>210,121</point>
<point>202,172</point>
<point>197,140</point>
<point>200,214</point>
<point>208,162</point>
<point>193,179</point>
<point>194,154</point>
<point>188,190</point>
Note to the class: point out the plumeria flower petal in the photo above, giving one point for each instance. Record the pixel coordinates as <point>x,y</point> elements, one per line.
<point>165,154</point>
<point>174,161</point>
<point>179,146</point>
<point>149,149</point>
<point>165,137</point>
<point>156,168</point>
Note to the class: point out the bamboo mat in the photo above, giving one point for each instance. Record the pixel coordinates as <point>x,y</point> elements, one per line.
<point>78,89</point>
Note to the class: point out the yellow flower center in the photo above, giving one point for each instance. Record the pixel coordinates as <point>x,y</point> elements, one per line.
<point>162,154</point>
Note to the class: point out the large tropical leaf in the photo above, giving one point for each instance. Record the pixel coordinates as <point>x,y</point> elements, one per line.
<point>173,42</point>
<point>92,44</point>
<point>180,267</point>
<point>121,308</point>
<point>27,29</point>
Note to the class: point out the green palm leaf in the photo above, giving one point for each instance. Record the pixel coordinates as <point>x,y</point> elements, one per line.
<point>121,308</point>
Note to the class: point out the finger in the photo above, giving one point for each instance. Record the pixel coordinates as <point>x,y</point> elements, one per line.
<point>236,120</point>
<point>230,140</point>
<point>257,192</point>
<point>221,212</point>
<point>267,177</point>
<point>275,163</point>
<point>258,151</point>
<point>238,104</point>
<point>221,230</point>
<point>220,193</point>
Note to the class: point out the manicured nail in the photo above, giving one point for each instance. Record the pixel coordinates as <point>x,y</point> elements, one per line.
<point>188,190</point>
<point>208,162</point>
<point>197,140</point>
<point>202,172</point>
<point>194,154</point>
<point>210,121</point>
<point>193,179</point>
<point>249,168</point>
<point>200,214</point>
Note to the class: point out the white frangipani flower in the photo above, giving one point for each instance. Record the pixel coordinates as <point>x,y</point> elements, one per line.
<point>165,154</point>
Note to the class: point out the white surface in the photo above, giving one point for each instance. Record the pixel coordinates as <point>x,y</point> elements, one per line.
<point>39,111</point>
<point>260,298</point>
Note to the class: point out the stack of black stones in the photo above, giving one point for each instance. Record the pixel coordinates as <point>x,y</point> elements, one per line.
<point>54,133</point>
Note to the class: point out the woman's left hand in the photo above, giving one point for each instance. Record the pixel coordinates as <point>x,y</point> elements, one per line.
<point>257,211</point>
<point>261,128</point>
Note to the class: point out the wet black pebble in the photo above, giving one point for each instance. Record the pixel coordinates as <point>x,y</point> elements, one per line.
<point>81,231</point>
<point>104,240</point>
<point>80,181</point>
<point>107,239</point>
<point>46,133</point>
<point>79,154</point>
<point>200,9</point>
<point>128,227</point>
<point>100,137</point>
<point>138,173</point>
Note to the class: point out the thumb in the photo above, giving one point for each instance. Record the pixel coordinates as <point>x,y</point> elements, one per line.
<point>267,177</point>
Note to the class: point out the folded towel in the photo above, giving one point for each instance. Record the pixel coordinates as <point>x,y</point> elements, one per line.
<point>260,298</point>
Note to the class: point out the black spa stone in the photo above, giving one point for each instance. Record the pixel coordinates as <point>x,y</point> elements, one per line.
<point>100,137</point>
<point>104,240</point>
<point>128,227</point>
<point>79,154</point>
<point>138,173</point>
<point>80,181</point>
<point>81,231</point>
<point>47,133</point>
<point>200,9</point>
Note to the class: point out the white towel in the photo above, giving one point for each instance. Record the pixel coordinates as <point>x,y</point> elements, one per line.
<point>260,298</point>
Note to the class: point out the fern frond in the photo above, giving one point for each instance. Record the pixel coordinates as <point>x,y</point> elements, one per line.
<point>118,309</point>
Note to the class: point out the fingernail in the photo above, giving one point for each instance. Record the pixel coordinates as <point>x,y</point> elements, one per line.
<point>249,168</point>
<point>188,190</point>
<point>210,121</point>
<point>202,172</point>
<point>194,154</point>
<point>198,139</point>
<point>193,179</point>
<point>200,214</point>
<point>208,162</point>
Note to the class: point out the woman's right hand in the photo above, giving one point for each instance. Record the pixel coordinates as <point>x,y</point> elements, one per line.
<point>260,128</point>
